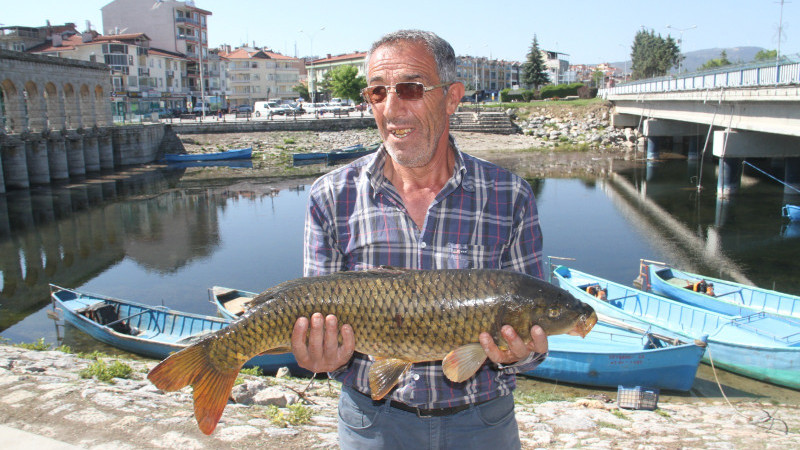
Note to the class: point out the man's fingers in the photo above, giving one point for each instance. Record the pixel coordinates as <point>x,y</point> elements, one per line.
<point>539,341</point>
<point>516,345</point>
<point>348,345</point>
<point>299,347</point>
<point>331,342</point>
<point>494,353</point>
<point>315,336</point>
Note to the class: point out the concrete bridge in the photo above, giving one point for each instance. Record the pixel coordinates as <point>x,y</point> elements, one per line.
<point>743,112</point>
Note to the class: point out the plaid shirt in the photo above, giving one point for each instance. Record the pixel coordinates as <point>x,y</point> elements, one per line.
<point>484,217</point>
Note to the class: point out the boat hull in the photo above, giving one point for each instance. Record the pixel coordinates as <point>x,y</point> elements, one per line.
<point>791,212</point>
<point>733,299</point>
<point>158,331</point>
<point>610,356</point>
<point>242,153</point>
<point>758,346</point>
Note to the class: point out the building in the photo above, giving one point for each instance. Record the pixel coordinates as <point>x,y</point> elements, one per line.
<point>259,74</point>
<point>487,76</point>
<point>20,39</point>
<point>174,26</point>
<point>557,67</point>
<point>317,68</point>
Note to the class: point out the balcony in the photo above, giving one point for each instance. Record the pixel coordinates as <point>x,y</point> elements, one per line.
<point>144,72</point>
<point>188,37</point>
<point>187,20</point>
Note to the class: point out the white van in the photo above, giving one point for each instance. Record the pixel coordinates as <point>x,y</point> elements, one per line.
<point>268,109</point>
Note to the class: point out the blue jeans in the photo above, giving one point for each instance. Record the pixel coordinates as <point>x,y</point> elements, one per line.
<point>364,424</point>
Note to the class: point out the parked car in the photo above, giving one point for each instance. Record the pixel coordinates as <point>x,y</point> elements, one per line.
<point>312,108</point>
<point>243,109</point>
<point>363,106</point>
<point>199,107</point>
<point>268,109</point>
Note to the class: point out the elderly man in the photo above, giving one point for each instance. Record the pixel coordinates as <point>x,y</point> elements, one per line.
<point>419,203</point>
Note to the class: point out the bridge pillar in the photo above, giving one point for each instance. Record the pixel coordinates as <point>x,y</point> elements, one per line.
<point>91,153</point>
<point>729,177</point>
<point>792,178</point>
<point>36,156</point>
<point>57,156</point>
<point>624,121</point>
<point>652,147</point>
<point>106,150</point>
<point>693,153</point>
<point>75,158</point>
<point>15,163</point>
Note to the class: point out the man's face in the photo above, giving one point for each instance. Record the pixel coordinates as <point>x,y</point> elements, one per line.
<point>411,129</point>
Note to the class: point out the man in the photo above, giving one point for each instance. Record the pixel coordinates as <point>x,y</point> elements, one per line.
<point>419,203</point>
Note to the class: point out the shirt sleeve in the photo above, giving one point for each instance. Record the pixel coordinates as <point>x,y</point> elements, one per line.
<point>531,362</point>
<point>321,254</point>
<point>524,251</point>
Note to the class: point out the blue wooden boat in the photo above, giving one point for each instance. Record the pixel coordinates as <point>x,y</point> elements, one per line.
<point>232,163</point>
<point>145,330</point>
<point>759,345</point>
<point>722,296</point>
<point>242,153</point>
<point>618,354</point>
<point>791,212</point>
<point>230,303</point>
<point>348,154</point>
<point>300,159</point>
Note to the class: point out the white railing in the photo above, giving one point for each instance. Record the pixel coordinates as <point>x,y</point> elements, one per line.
<point>748,75</point>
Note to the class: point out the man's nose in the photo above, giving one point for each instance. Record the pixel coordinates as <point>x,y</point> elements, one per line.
<point>393,102</point>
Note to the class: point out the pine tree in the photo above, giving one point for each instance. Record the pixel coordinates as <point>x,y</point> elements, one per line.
<point>652,55</point>
<point>534,72</point>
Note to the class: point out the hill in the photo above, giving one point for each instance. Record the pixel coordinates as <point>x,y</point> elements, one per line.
<point>693,60</point>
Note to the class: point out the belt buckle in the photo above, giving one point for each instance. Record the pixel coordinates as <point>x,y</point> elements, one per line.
<point>423,415</point>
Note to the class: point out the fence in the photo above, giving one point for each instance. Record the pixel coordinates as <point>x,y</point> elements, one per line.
<point>785,72</point>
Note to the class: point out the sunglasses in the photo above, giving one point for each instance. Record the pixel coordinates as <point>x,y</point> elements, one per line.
<point>407,90</point>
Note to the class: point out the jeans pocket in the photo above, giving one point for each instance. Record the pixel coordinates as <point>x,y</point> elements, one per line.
<point>497,411</point>
<point>357,413</point>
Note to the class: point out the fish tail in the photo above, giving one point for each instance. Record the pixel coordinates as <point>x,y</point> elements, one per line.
<point>212,386</point>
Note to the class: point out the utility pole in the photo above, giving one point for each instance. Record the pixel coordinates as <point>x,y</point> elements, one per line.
<point>680,40</point>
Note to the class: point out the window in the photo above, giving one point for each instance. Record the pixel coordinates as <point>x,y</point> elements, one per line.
<point>115,60</point>
<point>133,81</point>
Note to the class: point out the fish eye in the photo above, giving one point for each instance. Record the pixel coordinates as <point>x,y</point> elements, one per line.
<point>553,312</point>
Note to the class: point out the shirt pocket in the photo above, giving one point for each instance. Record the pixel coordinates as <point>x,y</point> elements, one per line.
<point>468,256</point>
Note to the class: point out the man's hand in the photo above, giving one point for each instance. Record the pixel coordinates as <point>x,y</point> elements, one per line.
<point>321,351</point>
<point>517,349</point>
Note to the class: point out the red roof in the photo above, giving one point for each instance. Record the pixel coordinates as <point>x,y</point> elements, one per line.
<point>344,57</point>
<point>76,40</point>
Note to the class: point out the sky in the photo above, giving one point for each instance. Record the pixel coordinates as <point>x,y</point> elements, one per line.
<point>589,32</point>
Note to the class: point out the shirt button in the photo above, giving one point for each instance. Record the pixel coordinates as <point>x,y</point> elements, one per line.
<point>415,377</point>
<point>423,245</point>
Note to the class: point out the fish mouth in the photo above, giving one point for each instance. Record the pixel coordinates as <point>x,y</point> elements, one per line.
<point>584,325</point>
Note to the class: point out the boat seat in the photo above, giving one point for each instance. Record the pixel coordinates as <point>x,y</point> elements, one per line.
<point>237,305</point>
<point>104,314</point>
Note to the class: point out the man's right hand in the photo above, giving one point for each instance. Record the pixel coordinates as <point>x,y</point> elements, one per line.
<point>318,350</point>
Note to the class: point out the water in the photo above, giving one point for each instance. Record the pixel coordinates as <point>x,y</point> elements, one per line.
<point>165,237</point>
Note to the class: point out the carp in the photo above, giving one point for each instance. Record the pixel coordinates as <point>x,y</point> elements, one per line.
<point>398,316</point>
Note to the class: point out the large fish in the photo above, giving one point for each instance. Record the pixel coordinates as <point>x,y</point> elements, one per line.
<point>399,316</point>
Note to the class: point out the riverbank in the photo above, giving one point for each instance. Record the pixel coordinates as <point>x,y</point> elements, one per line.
<point>43,392</point>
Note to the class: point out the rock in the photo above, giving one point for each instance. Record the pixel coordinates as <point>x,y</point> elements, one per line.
<point>283,372</point>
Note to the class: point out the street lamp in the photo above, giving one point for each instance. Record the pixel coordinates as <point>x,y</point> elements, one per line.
<point>313,77</point>
<point>680,40</point>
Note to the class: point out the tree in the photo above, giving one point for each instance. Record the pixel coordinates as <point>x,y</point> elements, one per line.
<point>652,55</point>
<point>766,55</point>
<point>346,83</point>
<point>534,72</point>
<point>719,62</point>
<point>302,91</point>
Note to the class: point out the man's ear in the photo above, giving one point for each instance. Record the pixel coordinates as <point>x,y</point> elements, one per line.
<point>454,95</point>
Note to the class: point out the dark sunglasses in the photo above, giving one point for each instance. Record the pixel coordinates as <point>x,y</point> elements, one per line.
<point>407,90</point>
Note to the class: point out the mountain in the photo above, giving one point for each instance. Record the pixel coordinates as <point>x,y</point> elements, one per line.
<point>693,60</point>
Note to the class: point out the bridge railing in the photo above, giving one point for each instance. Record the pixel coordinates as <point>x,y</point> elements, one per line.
<point>785,72</point>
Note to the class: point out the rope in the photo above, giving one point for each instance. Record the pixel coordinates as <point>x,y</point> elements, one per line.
<point>776,179</point>
<point>770,417</point>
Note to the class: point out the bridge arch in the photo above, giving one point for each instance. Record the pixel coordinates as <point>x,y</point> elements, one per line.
<point>71,112</point>
<point>86,106</point>
<point>52,101</point>
<point>12,115</point>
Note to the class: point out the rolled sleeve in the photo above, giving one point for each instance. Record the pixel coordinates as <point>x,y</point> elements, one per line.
<point>524,365</point>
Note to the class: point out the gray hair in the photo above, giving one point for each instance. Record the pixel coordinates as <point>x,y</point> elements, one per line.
<point>441,50</point>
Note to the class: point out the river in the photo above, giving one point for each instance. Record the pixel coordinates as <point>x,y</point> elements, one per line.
<point>162,236</point>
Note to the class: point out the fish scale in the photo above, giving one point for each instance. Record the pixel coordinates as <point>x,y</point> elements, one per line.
<point>401,316</point>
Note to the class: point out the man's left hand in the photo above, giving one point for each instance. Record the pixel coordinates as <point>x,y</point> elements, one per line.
<point>517,349</point>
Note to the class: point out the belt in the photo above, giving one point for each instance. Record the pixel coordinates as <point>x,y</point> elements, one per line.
<point>421,412</point>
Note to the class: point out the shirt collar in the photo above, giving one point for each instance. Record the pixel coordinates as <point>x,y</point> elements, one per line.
<point>460,176</point>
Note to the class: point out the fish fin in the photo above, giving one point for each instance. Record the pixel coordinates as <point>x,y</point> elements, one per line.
<point>463,362</point>
<point>277,350</point>
<point>212,386</point>
<point>384,375</point>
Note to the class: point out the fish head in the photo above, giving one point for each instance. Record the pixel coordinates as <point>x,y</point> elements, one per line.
<point>559,312</point>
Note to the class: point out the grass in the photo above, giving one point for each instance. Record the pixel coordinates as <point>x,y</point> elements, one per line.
<point>541,397</point>
<point>620,414</point>
<point>603,424</point>
<point>296,414</point>
<point>662,413</point>
<point>255,371</point>
<point>42,346</point>
<point>106,372</point>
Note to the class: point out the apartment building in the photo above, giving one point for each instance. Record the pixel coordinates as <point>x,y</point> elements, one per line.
<point>557,66</point>
<point>488,75</point>
<point>21,38</point>
<point>174,26</point>
<point>143,78</point>
<point>258,74</point>
<point>317,68</point>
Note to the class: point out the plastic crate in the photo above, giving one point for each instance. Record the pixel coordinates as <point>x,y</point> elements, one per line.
<point>637,397</point>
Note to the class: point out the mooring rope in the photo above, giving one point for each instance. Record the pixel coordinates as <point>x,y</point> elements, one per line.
<point>770,417</point>
<point>774,178</point>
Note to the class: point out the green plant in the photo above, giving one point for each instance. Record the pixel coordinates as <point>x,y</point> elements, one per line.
<point>662,413</point>
<point>603,424</point>
<point>296,414</point>
<point>255,371</point>
<point>288,141</point>
<point>619,414</point>
<point>39,345</point>
<point>105,372</point>
<point>540,397</point>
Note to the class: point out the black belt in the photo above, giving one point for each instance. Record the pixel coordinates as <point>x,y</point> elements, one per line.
<point>421,412</point>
